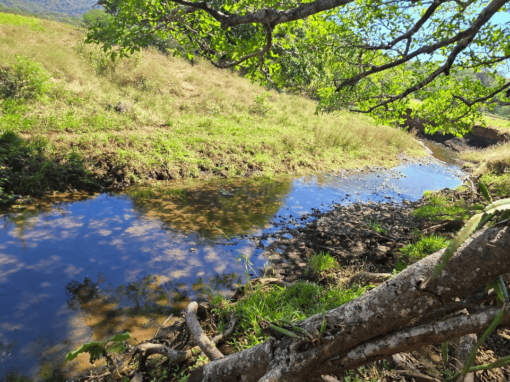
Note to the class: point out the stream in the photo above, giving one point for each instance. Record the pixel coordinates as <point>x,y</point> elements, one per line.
<point>77,268</point>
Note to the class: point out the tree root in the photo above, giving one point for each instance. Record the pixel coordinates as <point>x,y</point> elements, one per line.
<point>205,344</point>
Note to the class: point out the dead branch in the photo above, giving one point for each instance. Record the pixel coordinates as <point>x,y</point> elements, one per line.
<point>200,338</point>
<point>228,331</point>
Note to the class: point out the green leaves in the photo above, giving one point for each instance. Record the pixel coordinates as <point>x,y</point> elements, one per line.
<point>484,192</point>
<point>95,349</point>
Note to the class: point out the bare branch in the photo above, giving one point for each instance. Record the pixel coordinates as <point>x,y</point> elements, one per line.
<point>198,334</point>
<point>482,99</point>
<point>408,35</point>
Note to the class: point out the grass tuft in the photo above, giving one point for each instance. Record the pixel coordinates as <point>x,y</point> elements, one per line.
<point>439,207</point>
<point>425,246</point>
<point>322,262</point>
<point>376,226</point>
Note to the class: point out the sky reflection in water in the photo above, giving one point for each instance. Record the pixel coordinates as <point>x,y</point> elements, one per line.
<point>78,271</point>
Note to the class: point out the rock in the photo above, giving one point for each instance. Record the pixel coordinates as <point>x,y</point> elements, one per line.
<point>120,108</point>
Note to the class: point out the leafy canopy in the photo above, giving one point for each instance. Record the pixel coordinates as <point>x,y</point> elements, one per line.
<point>370,56</point>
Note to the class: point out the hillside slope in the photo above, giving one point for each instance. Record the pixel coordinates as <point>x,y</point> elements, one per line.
<point>68,7</point>
<point>87,121</point>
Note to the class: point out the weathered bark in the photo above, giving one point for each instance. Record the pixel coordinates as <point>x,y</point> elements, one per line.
<point>350,338</point>
<point>366,278</point>
<point>463,347</point>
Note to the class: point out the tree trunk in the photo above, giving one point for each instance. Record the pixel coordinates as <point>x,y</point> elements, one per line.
<point>384,321</point>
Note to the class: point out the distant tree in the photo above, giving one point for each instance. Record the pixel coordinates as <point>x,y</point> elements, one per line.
<point>96,17</point>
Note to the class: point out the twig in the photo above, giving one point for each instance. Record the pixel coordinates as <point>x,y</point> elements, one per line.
<point>228,331</point>
<point>163,324</point>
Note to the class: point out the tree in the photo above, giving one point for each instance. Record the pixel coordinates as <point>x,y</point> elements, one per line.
<point>96,17</point>
<point>369,56</point>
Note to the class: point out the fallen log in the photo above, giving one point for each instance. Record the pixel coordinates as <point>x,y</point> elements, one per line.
<point>383,313</point>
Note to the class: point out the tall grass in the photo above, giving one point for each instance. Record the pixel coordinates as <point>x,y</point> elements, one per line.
<point>188,119</point>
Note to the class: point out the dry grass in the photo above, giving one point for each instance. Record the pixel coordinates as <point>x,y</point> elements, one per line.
<point>188,119</point>
<point>494,158</point>
<point>493,166</point>
<point>499,124</point>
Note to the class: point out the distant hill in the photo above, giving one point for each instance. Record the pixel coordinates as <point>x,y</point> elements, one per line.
<point>44,7</point>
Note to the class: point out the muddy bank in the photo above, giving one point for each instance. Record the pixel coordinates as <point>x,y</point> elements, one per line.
<point>358,235</point>
<point>366,239</point>
<point>478,138</point>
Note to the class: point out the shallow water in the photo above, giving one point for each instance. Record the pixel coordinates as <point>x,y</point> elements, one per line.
<point>78,268</point>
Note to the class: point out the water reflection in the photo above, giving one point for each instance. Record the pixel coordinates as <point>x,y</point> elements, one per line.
<point>214,209</point>
<point>79,269</point>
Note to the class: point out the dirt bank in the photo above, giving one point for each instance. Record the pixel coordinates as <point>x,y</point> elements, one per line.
<point>478,138</point>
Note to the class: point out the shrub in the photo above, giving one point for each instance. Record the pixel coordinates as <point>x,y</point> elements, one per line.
<point>25,79</point>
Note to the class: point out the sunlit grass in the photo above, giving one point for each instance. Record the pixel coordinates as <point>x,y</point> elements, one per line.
<point>423,247</point>
<point>297,302</point>
<point>12,19</point>
<point>189,120</point>
<point>439,207</point>
<point>322,262</point>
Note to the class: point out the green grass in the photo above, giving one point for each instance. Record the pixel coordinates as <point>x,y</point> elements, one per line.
<point>25,169</point>
<point>322,262</point>
<point>376,226</point>
<point>179,120</point>
<point>297,302</point>
<point>425,246</point>
<point>498,123</point>
<point>439,207</point>
<point>498,184</point>
<point>12,19</point>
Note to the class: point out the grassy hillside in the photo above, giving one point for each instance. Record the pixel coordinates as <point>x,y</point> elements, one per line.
<point>67,7</point>
<point>72,118</point>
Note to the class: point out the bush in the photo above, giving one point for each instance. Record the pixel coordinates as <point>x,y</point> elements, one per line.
<point>25,79</point>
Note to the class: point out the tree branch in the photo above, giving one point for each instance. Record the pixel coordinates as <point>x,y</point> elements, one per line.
<point>200,338</point>
<point>463,39</point>
<point>391,306</point>
<point>411,338</point>
<point>266,16</point>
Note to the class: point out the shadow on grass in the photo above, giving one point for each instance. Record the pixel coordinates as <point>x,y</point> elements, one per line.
<point>27,168</point>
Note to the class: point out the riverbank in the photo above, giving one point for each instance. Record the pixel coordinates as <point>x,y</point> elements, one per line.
<point>88,123</point>
<point>330,260</point>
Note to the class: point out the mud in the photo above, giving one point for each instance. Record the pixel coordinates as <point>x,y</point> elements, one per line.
<point>362,235</point>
